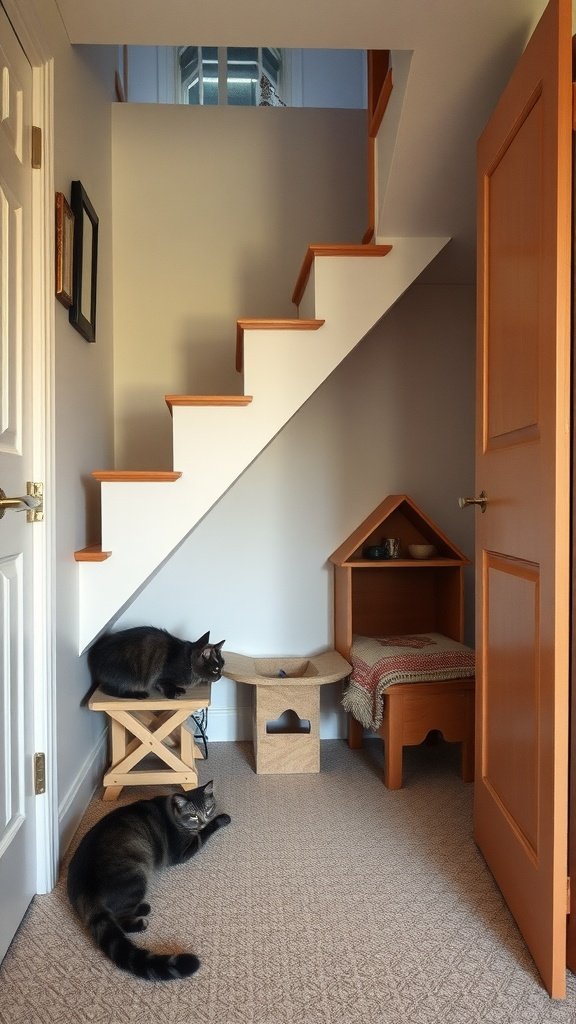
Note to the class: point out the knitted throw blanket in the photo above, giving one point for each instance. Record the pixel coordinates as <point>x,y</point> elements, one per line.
<point>379,662</point>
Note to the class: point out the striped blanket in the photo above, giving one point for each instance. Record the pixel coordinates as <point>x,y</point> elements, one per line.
<point>379,662</point>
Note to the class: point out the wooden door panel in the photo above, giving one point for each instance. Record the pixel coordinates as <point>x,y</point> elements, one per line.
<point>514,230</point>
<point>510,755</point>
<point>523,463</point>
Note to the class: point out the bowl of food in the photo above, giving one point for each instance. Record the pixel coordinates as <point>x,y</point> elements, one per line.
<point>421,550</point>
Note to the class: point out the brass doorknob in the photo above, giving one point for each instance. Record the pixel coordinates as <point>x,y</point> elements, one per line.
<point>482,501</point>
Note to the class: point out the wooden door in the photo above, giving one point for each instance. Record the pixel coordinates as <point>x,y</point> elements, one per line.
<point>523,465</point>
<point>17,825</point>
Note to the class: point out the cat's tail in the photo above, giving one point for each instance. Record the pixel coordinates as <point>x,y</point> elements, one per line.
<point>125,954</point>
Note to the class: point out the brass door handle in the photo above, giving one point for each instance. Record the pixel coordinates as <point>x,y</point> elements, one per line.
<point>482,501</point>
<point>25,503</point>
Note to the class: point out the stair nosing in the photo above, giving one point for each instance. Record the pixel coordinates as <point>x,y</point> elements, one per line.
<point>92,553</point>
<point>135,476</point>
<point>207,400</point>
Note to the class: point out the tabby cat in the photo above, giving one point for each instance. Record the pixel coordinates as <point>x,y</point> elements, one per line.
<point>110,871</point>
<point>136,662</point>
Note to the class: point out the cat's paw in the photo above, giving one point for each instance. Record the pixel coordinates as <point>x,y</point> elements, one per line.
<point>222,820</point>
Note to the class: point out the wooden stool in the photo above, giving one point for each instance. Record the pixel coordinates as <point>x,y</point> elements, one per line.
<point>412,710</point>
<point>157,726</point>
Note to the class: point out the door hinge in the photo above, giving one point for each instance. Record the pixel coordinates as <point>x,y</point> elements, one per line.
<point>36,147</point>
<point>39,774</point>
<point>568,893</point>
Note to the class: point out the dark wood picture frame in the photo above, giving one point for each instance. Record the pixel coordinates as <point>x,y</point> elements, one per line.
<point>82,312</point>
<point>64,250</point>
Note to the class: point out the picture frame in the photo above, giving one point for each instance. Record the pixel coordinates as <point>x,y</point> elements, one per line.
<point>82,312</point>
<point>64,250</point>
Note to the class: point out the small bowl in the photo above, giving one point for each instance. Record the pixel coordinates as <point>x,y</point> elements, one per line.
<point>421,550</point>
<point>376,551</point>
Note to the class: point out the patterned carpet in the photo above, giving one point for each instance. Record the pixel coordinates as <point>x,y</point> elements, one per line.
<point>328,900</point>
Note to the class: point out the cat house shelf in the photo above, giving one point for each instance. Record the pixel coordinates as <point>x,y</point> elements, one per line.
<point>397,595</point>
<point>397,601</point>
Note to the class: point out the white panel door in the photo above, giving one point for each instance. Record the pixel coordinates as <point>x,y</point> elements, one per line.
<point>17,827</point>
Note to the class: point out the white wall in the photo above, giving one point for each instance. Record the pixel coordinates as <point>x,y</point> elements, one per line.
<point>83,396</point>
<point>213,210</point>
<point>328,78</point>
<point>396,417</point>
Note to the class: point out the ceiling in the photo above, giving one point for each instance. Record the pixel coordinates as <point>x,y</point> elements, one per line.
<point>463,54</point>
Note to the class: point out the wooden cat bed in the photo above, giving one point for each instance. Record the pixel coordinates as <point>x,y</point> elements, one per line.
<point>286,719</point>
<point>158,727</point>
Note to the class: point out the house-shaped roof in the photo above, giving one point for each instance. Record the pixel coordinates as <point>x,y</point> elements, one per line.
<point>396,516</point>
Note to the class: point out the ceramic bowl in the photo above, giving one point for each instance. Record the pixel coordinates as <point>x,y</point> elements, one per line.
<point>375,551</point>
<point>421,550</point>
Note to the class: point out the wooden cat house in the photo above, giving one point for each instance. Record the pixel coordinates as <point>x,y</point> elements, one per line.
<point>400,623</point>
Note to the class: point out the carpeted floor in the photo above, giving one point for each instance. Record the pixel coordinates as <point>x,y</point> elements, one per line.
<point>328,899</point>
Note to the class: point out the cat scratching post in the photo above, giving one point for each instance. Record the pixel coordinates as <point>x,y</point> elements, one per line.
<point>286,719</point>
<point>158,728</point>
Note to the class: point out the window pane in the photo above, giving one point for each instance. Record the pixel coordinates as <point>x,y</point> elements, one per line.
<point>242,55</point>
<point>242,75</point>
<point>210,75</point>
<point>193,92</point>
<point>211,91</point>
<point>271,64</point>
<point>242,94</point>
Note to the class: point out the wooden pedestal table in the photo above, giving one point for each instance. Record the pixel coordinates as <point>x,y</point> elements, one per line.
<point>158,728</point>
<point>286,719</point>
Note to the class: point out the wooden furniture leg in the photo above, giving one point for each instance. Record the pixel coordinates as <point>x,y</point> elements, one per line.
<point>355,733</point>
<point>391,732</point>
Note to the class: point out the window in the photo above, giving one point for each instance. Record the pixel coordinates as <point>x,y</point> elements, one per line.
<point>247,76</point>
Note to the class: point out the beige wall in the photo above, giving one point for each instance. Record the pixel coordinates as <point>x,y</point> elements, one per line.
<point>213,210</point>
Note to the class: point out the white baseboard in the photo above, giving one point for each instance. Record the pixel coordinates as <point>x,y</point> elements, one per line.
<point>235,723</point>
<point>229,724</point>
<point>74,803</point>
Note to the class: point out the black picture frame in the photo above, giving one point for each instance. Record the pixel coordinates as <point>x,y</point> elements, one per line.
<point>82,312</point>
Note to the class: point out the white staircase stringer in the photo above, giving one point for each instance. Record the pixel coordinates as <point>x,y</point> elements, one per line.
<point>142,523</point>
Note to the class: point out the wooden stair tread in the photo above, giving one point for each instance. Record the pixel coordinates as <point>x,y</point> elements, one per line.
<point>92,553</point>
<point>260,324</point>
<point>331,250</point>
<point>135,475</point>
<point>216,400</point>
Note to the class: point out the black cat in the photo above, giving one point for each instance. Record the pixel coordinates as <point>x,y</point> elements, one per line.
<point>136,662</point>
<point>110,871</point>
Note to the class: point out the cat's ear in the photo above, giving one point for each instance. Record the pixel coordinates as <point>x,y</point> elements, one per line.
<point>203,640</point>
<point>208,788</point>
<point>210,648</point>
<point>178,803</point>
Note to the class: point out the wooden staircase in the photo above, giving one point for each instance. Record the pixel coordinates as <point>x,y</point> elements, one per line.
<point>341,293</point>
